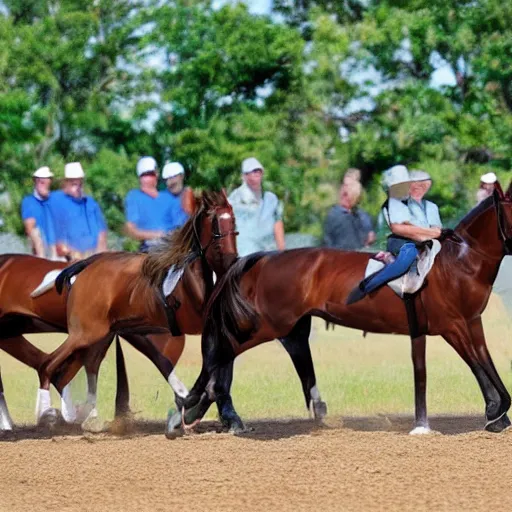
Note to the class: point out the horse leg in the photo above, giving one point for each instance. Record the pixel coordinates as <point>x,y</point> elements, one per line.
<point>122,407</point>
<point>5,417</point>
<point>461,340</point>
<point>22,350</point>
<point>74,343</point>
<point>496,414</point>
<point>418,348</point>
<point>194,407</point>
<point>154,346</point>
<point>297,345</point>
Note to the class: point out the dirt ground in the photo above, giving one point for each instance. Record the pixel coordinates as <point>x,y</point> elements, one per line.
<point>349,464</point>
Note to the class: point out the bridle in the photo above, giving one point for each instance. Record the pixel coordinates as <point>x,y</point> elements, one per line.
<point>216,236</point>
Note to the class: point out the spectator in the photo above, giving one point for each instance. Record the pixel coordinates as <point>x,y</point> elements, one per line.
<point>258,214</point>
<point>174,175</point>
<point>37,216</point>
<point>347,226</point>
<point>146,208</point>
<point>79,223</point>
<point>486,188</point>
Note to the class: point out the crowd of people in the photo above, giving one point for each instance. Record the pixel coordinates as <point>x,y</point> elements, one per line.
<point>68,224</point>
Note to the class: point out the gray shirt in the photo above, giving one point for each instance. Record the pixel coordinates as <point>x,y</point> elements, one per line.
<point>345,229</point>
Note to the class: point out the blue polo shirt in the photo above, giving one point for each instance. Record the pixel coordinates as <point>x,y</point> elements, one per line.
<point>146,212</point>
<point>175,216</point>
<point>37,208</point>
<point>78,222</point>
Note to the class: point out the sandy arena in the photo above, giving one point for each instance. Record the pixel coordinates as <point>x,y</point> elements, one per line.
<point>360,464</point>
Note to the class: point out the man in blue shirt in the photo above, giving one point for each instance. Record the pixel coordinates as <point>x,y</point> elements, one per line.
<point>174,175</point>
<point>80,226</point>
<point>37,216</point>
<point>145,208</point>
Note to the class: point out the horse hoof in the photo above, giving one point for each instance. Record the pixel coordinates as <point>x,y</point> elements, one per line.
<point>50,419</point>
<point>498,425</point>
<point>420,431</point>
<point>319,410</point>
<point>236,426</point>
<point>173,428</point>
<point>83,412</point>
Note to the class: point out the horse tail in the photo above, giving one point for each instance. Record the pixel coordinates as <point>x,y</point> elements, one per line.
<point>122,406</point>
<point>64,278</point>
<point>229,316</point>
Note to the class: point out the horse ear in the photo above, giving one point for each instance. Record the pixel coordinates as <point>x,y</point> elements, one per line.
<point>225,195</point>
<point>498,191</point>
<point>189,201</point>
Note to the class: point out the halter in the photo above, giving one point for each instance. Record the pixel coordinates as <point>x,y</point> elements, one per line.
<point>216,237</point>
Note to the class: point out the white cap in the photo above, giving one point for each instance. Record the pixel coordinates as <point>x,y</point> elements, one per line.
<point>250,164</point>
<point>43,172</point>
<point>146,164</point>
<point>396,181</point>
<point>489,178</point>
<point>172,169</point>
<point>417,175</point>
<point>73,170</point>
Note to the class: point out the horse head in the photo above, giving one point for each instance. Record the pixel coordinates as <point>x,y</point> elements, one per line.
<point>503,203</point>
<point>215,230</point>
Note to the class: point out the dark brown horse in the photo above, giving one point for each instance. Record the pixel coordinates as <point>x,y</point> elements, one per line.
<point>273,295</point>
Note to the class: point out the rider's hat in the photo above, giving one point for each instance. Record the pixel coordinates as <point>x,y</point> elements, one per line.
<point>396,181</point>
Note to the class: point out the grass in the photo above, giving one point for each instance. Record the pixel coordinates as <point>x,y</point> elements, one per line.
<point>355,375</point>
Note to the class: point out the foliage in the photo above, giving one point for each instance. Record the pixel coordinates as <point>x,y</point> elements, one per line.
<point>319,88</point>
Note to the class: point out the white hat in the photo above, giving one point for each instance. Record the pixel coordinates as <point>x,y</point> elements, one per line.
<point>396,181</point>
<point>417,175</point>
<point>73,170</point>
<point>172,169</point>
<point>43,172</point>
<point>146,164</point>
<point>250,164</point>
<point>489,178</point>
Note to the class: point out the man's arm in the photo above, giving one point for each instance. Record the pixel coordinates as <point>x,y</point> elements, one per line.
<point>328,229</point>
<point>279,235</point>
<point>134,232</point>
<point>34,235</point>
<point>415,232</point>
<point>102,242</point>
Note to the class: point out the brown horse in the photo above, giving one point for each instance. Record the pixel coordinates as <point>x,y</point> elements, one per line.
<point>20,313</point>
<point>273,295</point>
<point>121,293</point>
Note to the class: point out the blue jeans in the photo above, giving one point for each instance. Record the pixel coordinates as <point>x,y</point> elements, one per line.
<point>404,260</point>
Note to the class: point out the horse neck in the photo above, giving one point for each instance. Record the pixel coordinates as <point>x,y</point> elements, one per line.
<point>198,282</point>
<point>481,235</point>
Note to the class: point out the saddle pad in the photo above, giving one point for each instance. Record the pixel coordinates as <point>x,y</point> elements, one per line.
<point>171,279</point>
<point>413,280</point>
<point>47,283</point>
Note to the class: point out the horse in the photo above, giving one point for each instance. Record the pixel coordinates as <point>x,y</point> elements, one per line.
<point>21,313</point>
<point>273,295</point>
<point>121,294</point>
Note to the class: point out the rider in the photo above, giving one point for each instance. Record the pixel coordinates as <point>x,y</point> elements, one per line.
<point>411,220</point>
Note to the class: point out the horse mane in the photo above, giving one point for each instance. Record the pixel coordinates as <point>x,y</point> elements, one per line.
<point>474,213</point>
<point>176,248</point>
<point>228,315</point>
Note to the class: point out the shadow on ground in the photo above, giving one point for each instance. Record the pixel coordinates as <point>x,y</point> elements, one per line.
<point>262,430</point>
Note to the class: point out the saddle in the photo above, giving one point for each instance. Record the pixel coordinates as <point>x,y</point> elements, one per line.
<point>413,280</point>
